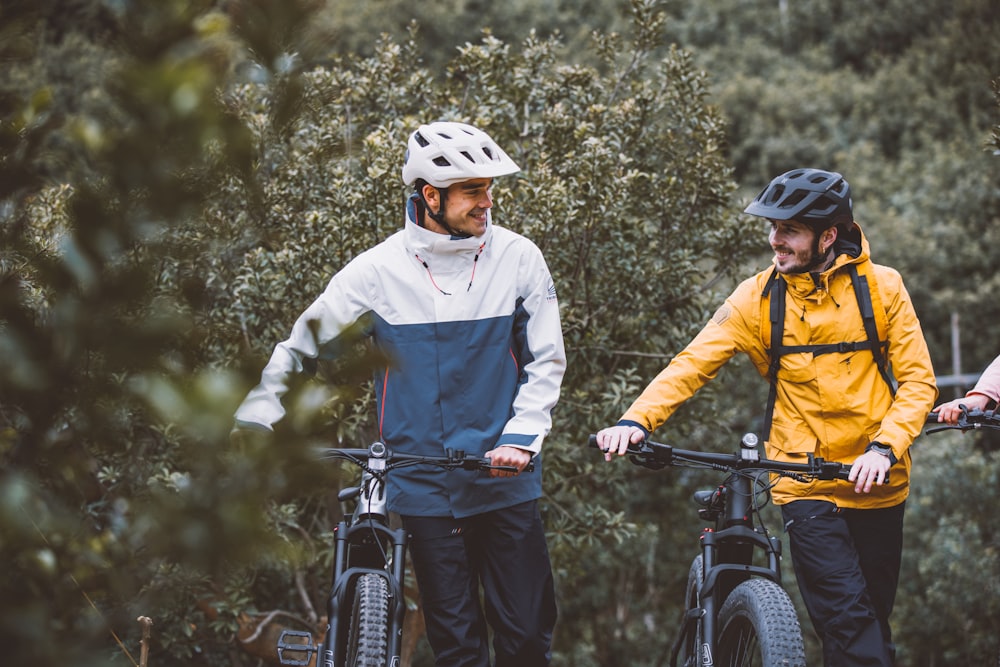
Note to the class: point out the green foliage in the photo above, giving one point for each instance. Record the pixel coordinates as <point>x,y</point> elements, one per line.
<point>958,568</point>
<point>114,431</point>
<point>354,28</point>
<point>179,179</point>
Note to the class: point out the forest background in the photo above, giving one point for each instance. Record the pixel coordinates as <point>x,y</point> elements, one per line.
<point>179,179</point>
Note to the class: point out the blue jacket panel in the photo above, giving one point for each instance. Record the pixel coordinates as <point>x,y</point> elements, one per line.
<point>478,374</point>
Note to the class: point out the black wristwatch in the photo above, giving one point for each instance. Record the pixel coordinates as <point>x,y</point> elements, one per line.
<point>884,450</point>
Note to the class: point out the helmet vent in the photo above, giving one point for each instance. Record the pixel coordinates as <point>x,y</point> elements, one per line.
<point>443,153</point>
<point>822,205</point>
<point>793,199</point>
<point>811,196</point>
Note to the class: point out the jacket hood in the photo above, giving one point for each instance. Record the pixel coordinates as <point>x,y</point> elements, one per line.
<point>851,242</point>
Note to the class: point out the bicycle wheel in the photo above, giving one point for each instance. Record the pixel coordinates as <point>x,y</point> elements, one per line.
<point>368,633</point>
<point>689,654</point>
<point>759,626</point>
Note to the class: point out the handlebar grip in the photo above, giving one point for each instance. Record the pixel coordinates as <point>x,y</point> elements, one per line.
<point>842,471</point>
<point>485,464</point>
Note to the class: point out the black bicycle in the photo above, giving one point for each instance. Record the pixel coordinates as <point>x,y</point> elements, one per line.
<point>736,611</point>
<point>365,606</point>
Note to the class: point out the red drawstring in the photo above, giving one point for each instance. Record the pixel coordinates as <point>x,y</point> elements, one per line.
<point>431,275</point>
<point>475,260</point>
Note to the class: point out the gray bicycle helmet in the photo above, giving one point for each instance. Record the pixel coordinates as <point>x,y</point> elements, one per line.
<point>815,197</point>
<point>443,153</point>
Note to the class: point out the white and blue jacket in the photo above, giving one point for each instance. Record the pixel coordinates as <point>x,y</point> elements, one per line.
<point>476,354</point>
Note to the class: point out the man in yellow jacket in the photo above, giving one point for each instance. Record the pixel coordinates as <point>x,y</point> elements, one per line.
<point>844,387</point>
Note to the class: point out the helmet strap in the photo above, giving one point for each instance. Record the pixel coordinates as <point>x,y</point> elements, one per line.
<point>439,216</point>
<point>820,259</point>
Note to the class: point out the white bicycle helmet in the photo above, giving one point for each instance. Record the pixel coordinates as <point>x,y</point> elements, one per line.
<point>443,153</point>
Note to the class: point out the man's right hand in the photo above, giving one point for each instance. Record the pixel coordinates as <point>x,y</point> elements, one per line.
<point>616,439</point>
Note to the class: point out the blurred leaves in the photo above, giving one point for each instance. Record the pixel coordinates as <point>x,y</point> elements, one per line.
<point>179,179</point>
<point>115,427</point>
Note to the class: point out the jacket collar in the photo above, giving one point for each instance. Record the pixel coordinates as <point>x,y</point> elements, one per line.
<point>421,240</point>
<point>853,249</point>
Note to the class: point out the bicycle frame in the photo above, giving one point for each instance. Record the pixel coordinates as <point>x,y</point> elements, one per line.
<point>364,545</point>
<point>727,552</point>
<point>727,557</point>
<point>728,549</point>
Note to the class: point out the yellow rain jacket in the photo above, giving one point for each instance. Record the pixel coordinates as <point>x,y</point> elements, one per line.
<point>831,405</point>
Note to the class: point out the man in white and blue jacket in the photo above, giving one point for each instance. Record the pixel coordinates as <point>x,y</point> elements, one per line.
<point>467,313</point>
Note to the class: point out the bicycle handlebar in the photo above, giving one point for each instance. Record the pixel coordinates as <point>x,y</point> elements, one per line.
<point>656,455</point>
<point>450,461</point>
<point>967,420</point>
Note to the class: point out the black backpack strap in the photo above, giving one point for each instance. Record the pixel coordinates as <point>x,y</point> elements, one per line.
<point>775,290</point>
<point>864,297</point>
<point>827,348</point>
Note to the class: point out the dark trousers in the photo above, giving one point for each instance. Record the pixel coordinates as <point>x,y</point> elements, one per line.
<point>504,552</point>
<point>847,565</point>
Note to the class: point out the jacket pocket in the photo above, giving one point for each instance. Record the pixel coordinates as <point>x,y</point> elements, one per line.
<point>791,441</point>
<point>798,368</point>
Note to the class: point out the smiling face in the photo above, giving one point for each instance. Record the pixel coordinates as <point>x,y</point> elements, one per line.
<point>798,248</point>
<point>465,207</point>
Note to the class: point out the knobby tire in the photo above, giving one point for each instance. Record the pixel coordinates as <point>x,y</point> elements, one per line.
<point>759,627</point>
<point>690,648</point>
<point>368,634</point>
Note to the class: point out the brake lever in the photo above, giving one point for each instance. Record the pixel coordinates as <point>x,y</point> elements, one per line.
<point>474,464</point>
<point>647,462</point>
<point>964,424</point>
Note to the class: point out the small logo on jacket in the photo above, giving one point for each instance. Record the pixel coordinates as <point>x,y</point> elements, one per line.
<point>551,296</point>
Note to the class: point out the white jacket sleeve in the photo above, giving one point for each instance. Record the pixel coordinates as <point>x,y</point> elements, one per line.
<point>344,301</point>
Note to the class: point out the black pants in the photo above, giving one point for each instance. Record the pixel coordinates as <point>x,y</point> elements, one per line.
<point>504,552</point>
<point>847,565</point>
